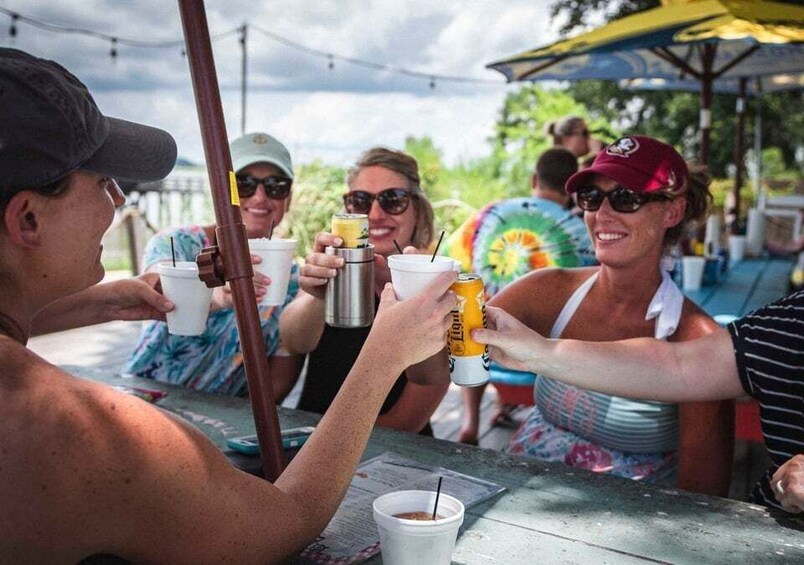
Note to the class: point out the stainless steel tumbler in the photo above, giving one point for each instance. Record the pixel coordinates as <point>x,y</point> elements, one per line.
<point>350,294</point>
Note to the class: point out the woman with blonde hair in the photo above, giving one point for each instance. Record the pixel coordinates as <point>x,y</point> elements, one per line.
<point>385,185</point>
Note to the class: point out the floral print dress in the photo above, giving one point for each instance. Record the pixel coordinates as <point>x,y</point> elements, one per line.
<point>212,361</point>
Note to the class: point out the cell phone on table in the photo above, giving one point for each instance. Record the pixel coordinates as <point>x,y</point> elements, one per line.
<point>291,438</point>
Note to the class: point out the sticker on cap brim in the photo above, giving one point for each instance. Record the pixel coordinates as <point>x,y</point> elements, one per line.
<point>233,194</point>
<point>623,147</point>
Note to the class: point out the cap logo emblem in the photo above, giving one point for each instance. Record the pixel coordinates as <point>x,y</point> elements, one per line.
<point>260,139</point>
<point>623,147</point>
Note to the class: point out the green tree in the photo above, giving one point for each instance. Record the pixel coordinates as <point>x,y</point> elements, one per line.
<point>429,159</point>
<point>317,195</point>
<point>521,129</point>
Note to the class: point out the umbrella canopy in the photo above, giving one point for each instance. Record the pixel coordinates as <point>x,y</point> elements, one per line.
<point>696,40</point>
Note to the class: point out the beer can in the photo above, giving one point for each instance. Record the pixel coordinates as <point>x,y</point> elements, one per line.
<point>353,229</point>
<point>468,360</point>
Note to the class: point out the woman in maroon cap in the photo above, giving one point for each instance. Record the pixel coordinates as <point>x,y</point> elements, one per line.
<point>636,199</point>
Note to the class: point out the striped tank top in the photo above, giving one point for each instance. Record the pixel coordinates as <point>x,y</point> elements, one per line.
<point>634,426</point>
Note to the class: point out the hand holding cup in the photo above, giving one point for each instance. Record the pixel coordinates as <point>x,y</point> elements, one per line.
<point>414,329</point>
<point>319,267</point>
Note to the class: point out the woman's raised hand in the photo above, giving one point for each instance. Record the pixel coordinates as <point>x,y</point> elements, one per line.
<point>319,267</point>
<point>511,343</point>
<point>416,328</point>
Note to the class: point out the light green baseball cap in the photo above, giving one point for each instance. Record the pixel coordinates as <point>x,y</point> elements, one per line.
<point>260,148</point>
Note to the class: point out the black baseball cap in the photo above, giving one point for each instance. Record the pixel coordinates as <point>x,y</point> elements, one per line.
<point>51,126</point>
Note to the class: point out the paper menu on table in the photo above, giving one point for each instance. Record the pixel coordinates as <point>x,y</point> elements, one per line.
<point>352,537</point>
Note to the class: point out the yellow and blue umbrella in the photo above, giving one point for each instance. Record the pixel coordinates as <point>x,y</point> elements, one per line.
<point>695,40</point>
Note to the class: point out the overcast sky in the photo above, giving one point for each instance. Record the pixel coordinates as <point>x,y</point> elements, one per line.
<point>319,113</point>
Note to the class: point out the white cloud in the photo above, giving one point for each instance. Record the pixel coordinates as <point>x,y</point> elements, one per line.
<point>320,113</point>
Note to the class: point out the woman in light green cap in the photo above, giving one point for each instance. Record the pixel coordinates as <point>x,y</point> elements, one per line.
<point>213,361</point>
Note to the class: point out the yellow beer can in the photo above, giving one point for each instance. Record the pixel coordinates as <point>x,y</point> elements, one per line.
<point>353,229</point>
<point>468,360</point>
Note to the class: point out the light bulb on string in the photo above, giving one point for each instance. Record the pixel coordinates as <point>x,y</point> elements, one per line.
<point>12,30</point>
<point>432,83</point>
<point>113,51</point>
<point>331,63</point>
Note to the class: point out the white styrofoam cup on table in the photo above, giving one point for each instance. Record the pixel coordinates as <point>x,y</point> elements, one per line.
<point>414,542</point>
<point>736,248</point>
<point>692,270</point>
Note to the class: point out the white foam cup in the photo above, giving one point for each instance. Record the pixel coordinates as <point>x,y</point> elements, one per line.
<point>411,273</point>
<point>692,269</point>
<point>414,542</point>
<point>277,260</point>
<point>736,248</point>
<point>191,297</point>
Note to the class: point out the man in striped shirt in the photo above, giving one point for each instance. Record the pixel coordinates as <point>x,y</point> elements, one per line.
<point>761,355</point>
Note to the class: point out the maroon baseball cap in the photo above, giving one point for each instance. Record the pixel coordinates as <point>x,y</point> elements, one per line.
<point>637,162</point>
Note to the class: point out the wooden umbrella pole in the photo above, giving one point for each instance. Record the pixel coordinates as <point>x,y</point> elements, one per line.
<point>231,233</point>
<point>739,150</point>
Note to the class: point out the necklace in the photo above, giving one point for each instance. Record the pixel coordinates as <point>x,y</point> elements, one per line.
<point>12,329</point>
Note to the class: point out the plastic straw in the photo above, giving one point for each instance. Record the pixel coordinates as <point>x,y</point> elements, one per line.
<point>398,248</point>
<point>438,490</point>
<point>440,237</point>
<point>271,231</point>
<point>172,251</point>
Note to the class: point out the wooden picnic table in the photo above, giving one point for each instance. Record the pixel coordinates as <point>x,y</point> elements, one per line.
<point>746,286</point>
<point>549,513</point>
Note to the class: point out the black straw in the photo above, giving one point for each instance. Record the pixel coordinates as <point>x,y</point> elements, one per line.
<point>172,251</point>
<point>271,231</point>
<point>440,237</point>
<point>438,490</point>
<point>398,248</point>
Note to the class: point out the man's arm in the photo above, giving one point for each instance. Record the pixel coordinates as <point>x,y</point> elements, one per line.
<point>700,369</point>
<point>129,299</point>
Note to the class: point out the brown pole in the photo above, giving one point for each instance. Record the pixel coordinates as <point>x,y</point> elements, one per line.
<point>707,63</point>
<point>739,148</point>
<point>231,233</point>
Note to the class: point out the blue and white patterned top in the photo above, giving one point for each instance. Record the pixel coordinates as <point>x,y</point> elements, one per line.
<point>212,361</point>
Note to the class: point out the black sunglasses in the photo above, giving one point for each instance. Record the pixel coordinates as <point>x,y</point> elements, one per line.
<point>393,201</point>
<point>276,188</point>
<point>621,199</point>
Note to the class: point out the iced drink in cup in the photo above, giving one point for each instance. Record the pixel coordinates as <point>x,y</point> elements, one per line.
<point>277,260</point>
<point>406,541</point>
<point>191,297</point>
<point>411,273</point>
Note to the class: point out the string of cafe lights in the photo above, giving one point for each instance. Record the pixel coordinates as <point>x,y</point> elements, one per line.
<point>116,40</point>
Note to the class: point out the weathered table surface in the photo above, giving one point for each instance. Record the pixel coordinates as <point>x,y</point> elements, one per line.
<point>746,286</point>
<point>549,513</point>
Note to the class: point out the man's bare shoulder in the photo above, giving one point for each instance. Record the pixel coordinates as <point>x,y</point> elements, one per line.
<point>80,459</point>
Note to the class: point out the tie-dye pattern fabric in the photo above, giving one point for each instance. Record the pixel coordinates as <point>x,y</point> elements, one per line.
<point>213,361</point>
